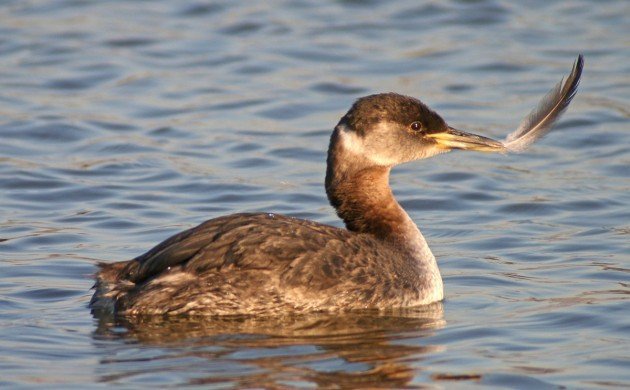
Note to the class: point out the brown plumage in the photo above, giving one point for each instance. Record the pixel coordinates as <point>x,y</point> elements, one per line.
<point>258,263</point>
<point>261,263</point>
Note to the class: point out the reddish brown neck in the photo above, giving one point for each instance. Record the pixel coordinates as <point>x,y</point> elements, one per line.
<point>366,204</point>
<point>360,193</point>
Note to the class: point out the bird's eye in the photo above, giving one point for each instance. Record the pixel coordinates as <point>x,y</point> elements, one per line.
<point>416,126</point>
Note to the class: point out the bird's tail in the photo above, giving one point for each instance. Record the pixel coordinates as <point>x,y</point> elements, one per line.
<point>109,287</point>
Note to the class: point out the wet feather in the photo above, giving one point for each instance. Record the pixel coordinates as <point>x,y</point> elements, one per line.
<point>542,118</point>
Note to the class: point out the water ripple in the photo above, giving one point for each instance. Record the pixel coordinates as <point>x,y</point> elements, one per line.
<point>122,123</point>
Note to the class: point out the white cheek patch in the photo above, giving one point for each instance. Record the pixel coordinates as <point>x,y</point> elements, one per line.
<point>350,140</point>
<point>354,144</point>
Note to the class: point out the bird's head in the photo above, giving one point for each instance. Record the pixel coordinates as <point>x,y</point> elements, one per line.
<point>389,129</point>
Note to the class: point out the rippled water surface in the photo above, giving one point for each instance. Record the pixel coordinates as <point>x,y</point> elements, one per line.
<point>122,123</point>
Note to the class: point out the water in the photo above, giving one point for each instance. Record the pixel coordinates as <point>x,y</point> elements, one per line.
<point>122,123</point>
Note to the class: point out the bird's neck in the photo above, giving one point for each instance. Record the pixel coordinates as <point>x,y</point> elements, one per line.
<point>361,194</point>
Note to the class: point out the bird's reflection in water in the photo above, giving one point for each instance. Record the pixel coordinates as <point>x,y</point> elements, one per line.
<point>352,350</point>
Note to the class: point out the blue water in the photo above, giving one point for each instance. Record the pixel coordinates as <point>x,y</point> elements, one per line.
<point>122,123</point>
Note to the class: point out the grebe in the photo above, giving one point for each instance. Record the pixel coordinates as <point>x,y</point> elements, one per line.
<point>261,263</point>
